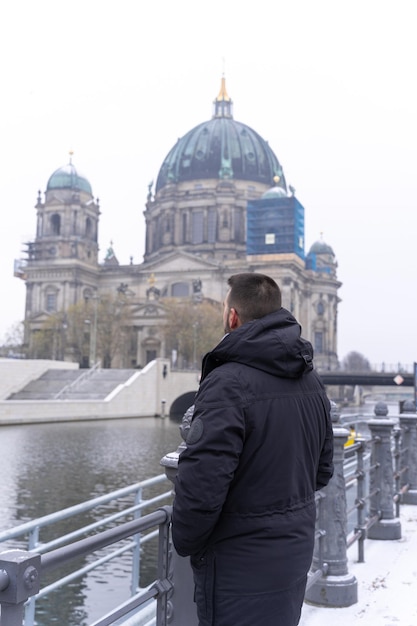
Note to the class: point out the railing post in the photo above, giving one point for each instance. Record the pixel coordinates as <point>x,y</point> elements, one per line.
<point>336,587</point>
<point>136,554</point>
<point>397,468</point>
<point>183,609</point>
<point>164,604</point>
<point>408,424</point>
<point>360,500</point>
<point>20,579</point>
<point>382,477</point>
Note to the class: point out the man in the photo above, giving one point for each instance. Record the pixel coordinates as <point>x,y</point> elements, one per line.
<point>259,445</point>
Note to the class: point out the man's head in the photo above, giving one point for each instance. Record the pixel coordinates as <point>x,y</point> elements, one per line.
<point>250,297</point>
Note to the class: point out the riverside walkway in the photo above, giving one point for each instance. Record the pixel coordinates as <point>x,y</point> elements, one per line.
<point>373,585</point>
<point>387,583</point>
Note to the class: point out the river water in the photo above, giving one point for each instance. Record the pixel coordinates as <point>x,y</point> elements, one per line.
<point>48,467</point>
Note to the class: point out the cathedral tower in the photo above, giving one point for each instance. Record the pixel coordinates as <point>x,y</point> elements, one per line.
<point>62,261</point>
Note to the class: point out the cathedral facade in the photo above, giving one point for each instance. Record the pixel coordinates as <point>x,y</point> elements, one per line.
<point>220,206</point>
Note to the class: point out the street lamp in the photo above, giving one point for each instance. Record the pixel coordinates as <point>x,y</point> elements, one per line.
<point>93,337</point>
<point>195,345</point>
<point>64,329</point>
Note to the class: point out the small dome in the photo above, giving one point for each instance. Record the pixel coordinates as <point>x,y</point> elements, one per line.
<point>67,177</point>
<point>275,192</point>
<point>320,247</point>
<point>321,258</point>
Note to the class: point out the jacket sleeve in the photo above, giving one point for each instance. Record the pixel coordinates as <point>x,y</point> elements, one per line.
<point>325,467</point>
<point>207,466</point>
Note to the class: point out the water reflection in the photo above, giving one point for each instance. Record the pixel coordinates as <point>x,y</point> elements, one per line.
<point>48,467</point>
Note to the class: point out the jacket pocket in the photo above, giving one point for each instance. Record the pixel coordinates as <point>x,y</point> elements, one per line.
<point>203,566</point>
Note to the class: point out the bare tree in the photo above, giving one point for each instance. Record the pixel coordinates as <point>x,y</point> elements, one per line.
<point>96,329</point>
<point>192,329</point>
<point>12,345</point>
<point>48,342</point>
<point>356,362</point>
<point>78,332</point>
<point>112,325</point>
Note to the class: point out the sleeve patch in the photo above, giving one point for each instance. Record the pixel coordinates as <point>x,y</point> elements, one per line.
<point>195,432</point>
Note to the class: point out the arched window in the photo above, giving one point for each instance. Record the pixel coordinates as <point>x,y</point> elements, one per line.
<point>320,308</point>
<point>88,227</point>
<point>198,224</point>
<point>56,224</point>
<point>212,226</point>
<point>184,228</point>
<point>318,342</point>
<point>51,298</point>
<point>238,226</point>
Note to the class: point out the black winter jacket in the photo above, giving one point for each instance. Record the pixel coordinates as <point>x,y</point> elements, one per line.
<point>259,446</point>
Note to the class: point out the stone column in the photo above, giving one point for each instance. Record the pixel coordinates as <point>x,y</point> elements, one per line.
<point>382,476</point>
<point>336,587</point>
<point>408,423</point>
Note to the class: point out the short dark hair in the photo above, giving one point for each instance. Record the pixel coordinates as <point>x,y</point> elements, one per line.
<point>253,295</point>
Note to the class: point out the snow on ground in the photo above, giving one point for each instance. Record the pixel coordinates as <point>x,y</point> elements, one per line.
<point>387,583</point>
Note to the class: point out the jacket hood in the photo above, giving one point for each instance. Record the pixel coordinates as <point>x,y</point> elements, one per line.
<point>272,344</point>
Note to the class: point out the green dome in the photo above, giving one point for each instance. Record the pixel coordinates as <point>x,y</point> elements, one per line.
<point>221,148</point>
<point>67,177</point>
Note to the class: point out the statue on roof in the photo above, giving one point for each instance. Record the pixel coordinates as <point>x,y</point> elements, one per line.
<point>150,185</point>
<point>110,258</point>
<point>153,292</point>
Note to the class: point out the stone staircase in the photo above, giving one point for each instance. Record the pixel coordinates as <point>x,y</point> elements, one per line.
<point>63,384</point>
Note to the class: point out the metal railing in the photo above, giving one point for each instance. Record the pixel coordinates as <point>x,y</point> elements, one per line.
<point>30,533</point>
<point>20,571</point>
<point>382,475</point>
<point>76,383</point>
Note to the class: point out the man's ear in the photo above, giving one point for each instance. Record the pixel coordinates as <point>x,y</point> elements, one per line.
<point>234,321</point>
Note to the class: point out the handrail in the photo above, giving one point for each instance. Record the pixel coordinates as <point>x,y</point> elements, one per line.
<point>75,509</point>
<point>384,478</point>
<point>32,531</point>
<point>384,475</point>
<point>84,376</point>
<point>21,572</point>
<point>65,554</point>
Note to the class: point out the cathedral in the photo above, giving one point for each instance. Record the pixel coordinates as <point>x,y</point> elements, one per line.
<point>220,206</point>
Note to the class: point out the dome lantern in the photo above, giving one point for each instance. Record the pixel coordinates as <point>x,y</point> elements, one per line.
<point>221,149</point>
<point>223,105</point>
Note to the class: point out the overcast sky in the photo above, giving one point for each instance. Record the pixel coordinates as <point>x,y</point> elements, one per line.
<point>330,84</point>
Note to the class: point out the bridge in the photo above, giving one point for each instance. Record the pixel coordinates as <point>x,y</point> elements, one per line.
<point>367,379</point>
